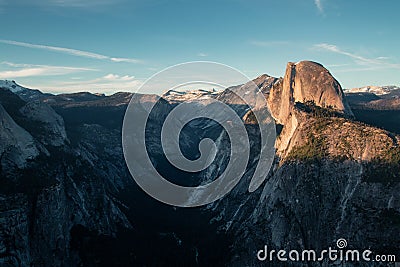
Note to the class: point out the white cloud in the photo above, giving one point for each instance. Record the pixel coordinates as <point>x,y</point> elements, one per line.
<point>318,4</point>
<point>108,84</point>
<point>202,55</point>
<point>29,70</point>
<point>115,77</point>
<point>380,62</point>
<point>69,51</point>
<point>128,60</point>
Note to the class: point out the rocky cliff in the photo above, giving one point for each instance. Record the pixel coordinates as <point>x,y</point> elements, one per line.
<point>17,146</point>
<point>307,83</point>
<point>333,178</point>
<point>304,82</point>
<point>48,188</point>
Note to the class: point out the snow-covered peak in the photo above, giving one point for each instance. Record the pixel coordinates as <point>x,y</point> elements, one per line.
<point>189,95</point>
<point>377,90</point>
<point>23,92</point>
<point>11,85</point>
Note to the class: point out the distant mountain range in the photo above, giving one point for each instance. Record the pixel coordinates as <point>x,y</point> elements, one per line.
<point>67,198</point>
<point>379,98</point>
<point>377,90</point>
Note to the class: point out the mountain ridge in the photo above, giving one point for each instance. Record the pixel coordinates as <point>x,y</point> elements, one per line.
<point>73,195</point>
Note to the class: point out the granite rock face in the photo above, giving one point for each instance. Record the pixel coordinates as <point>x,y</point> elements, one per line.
<point>303,82</point>
<point>333,178</point>
<point>49,188</point>
<point>54,130</point>
<point>310,206</point>
<point>17,146</point>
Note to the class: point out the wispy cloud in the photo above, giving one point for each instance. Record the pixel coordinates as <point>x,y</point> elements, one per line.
<point>269,43</point>
<point>29,70</point>
<point>70,51</point>
<point>128,60</point>
<point>383,58</point>
<point>107,84</point>
<point>320,7</point>
<point>116,77</point>
<point>202,54</point>
<point>337,65</point>
<point>379,62</point>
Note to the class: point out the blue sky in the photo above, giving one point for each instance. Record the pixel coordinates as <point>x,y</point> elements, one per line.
<point>115,45</point>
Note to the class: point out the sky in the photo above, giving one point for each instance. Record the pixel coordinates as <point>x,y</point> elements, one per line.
<point>106,46</point>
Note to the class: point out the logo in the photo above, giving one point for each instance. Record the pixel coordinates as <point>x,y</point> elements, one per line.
<point>331,254</point>
<point>341,243</point>
<point>145,110</point>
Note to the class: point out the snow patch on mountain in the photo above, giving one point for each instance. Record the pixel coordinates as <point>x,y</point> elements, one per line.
<point>11,85</point>
<point>24,93</point>
<point>174,96</point>
<point>377,90</point>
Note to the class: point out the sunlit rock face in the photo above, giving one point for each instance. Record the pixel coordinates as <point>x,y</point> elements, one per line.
<point>304,82</point>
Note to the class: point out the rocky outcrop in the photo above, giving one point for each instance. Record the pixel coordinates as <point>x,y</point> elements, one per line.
<point>312,82</point>
<point>265,82</point>
<point>17,146</point>
<point>53,129</point>
<point>308,83</point>
<point>304,82</point>
<point>339,138</point>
